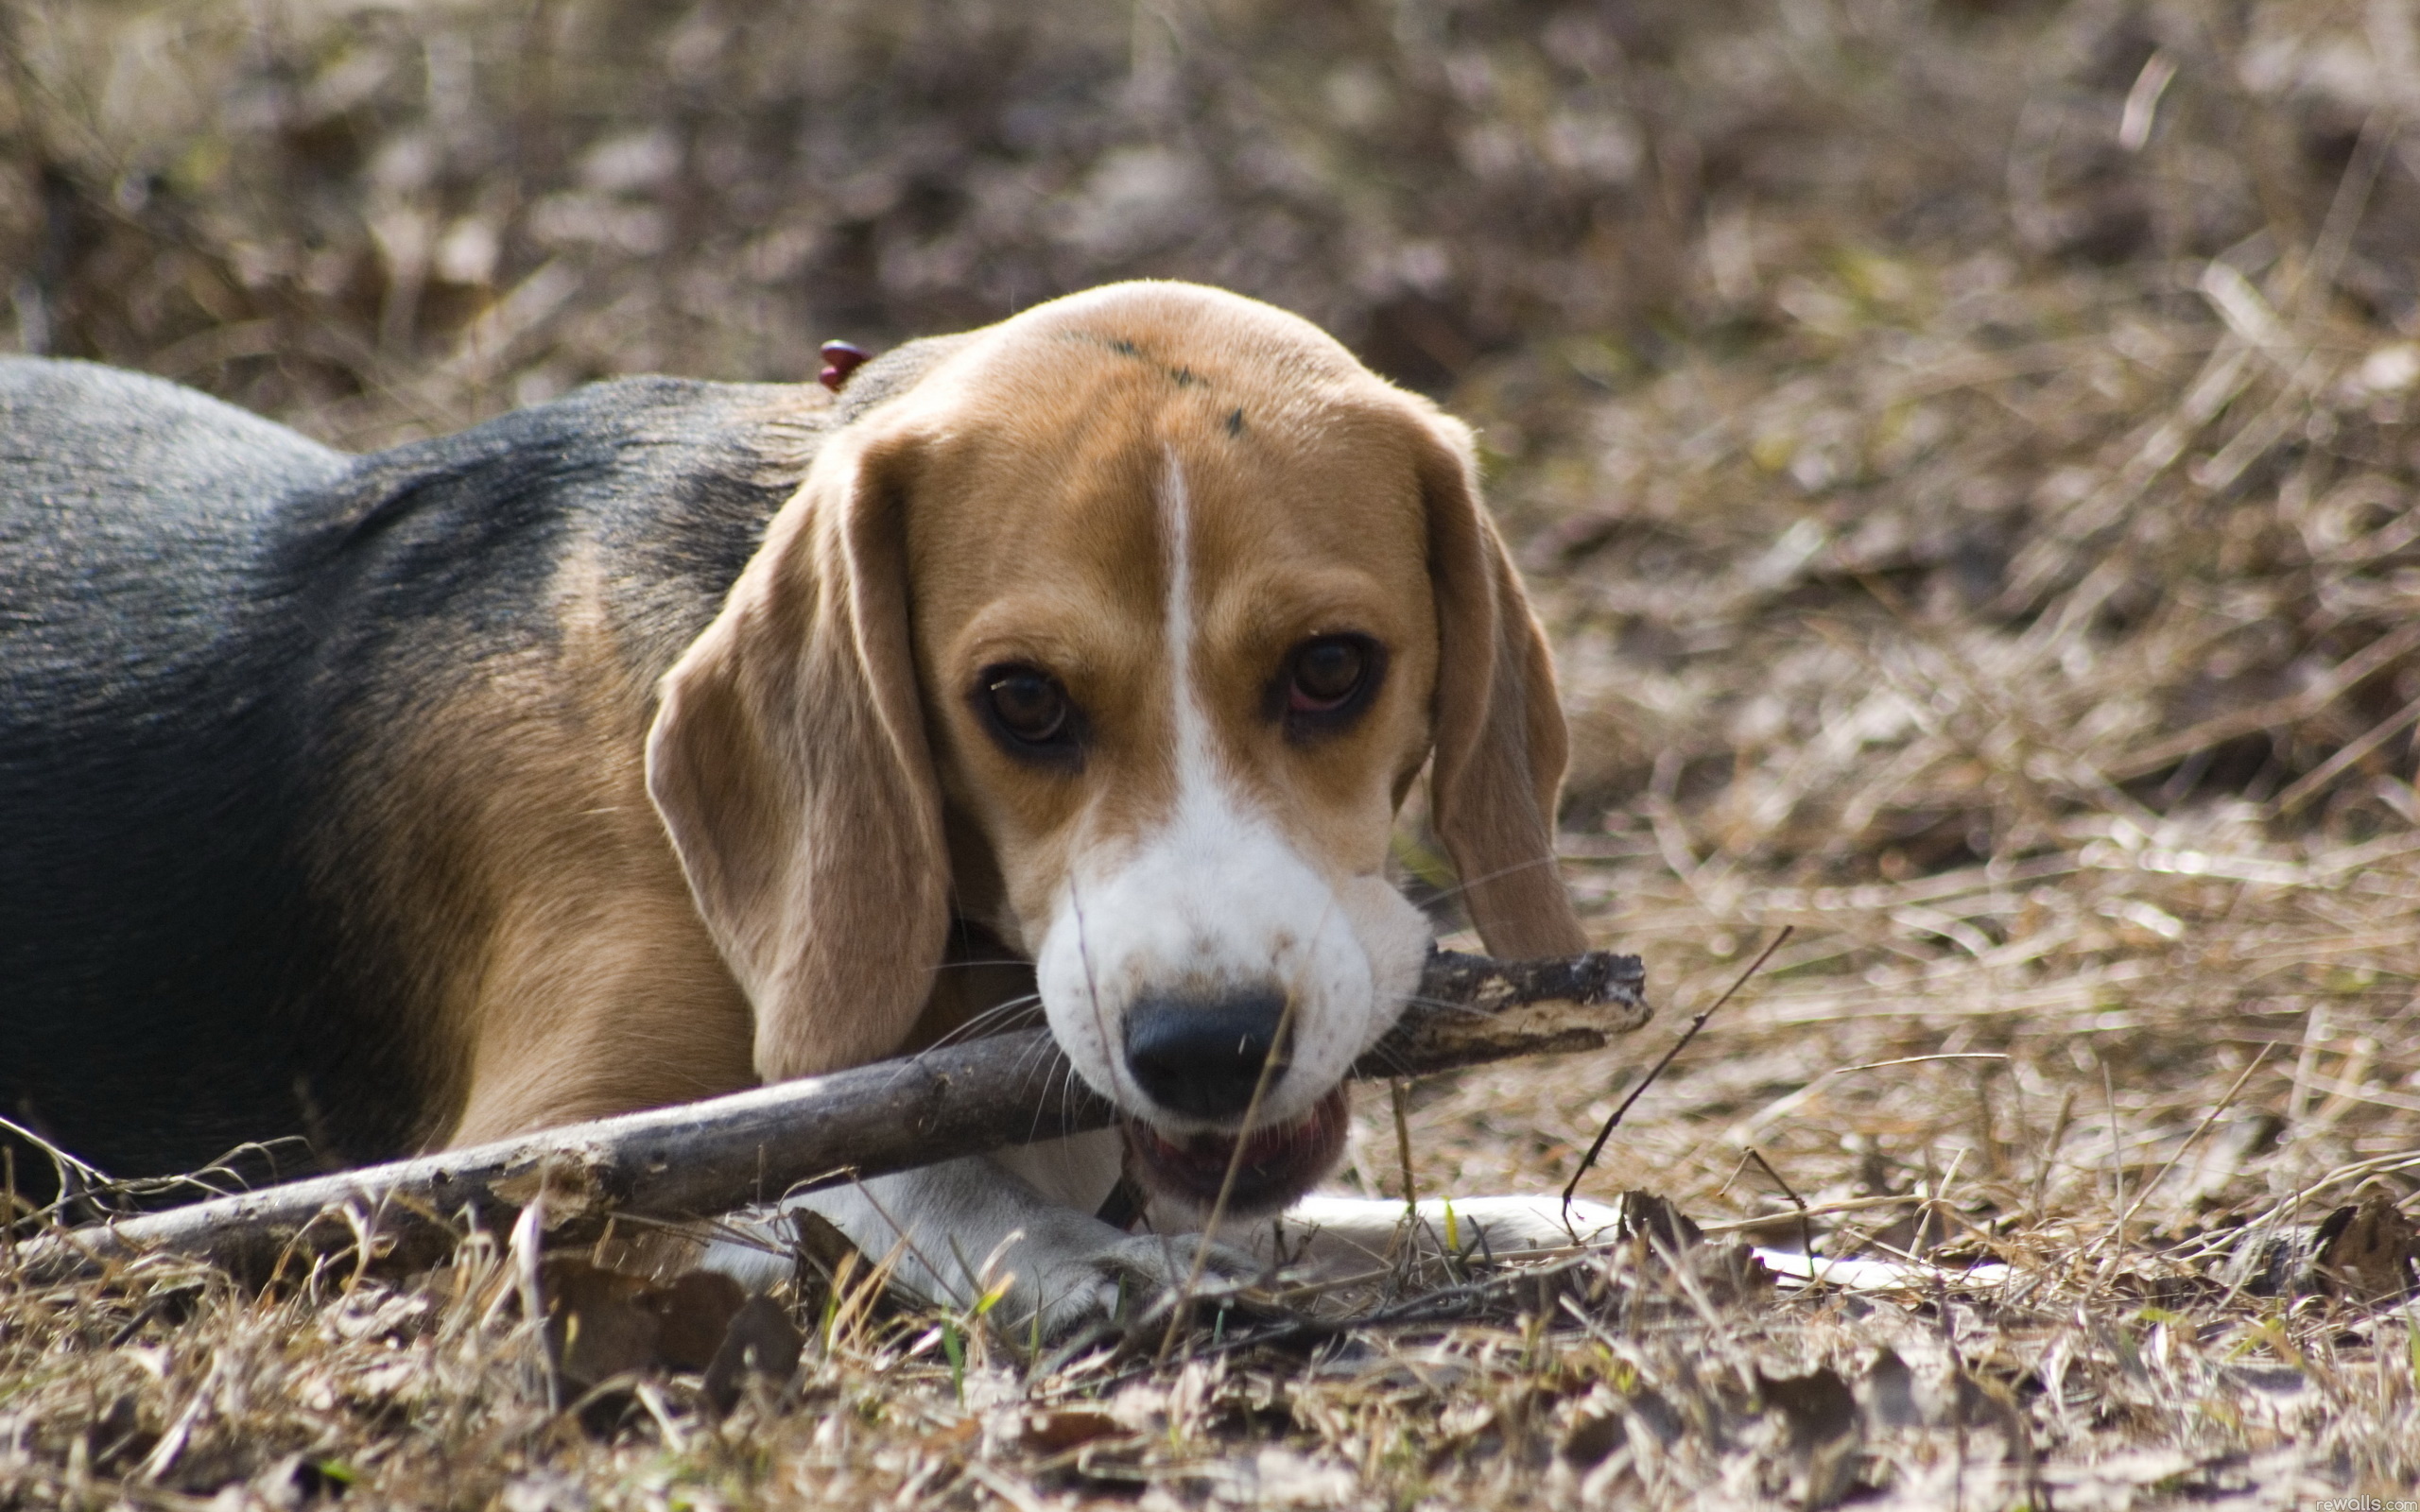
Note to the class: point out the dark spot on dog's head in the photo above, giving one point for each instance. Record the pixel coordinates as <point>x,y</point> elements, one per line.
<point>1235,424</point>
<point>1123,345</point>
<point>1126,347</point>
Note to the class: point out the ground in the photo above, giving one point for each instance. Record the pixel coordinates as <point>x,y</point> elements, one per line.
<point>1966,454</point>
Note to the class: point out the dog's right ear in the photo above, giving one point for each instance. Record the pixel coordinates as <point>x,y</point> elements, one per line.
<point>789,762</point>
<point>1500,743</point>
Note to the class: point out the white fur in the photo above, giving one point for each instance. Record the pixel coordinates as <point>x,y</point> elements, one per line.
<point>1024,1216</point>
<point>955,1230</point>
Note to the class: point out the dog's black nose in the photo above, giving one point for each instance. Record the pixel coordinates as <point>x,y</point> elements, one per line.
<point>1201,1056</point>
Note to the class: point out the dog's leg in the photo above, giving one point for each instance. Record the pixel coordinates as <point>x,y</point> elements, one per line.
<point>1025,1213</point>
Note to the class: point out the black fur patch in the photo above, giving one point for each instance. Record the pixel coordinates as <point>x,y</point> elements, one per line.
<point>209,621</point>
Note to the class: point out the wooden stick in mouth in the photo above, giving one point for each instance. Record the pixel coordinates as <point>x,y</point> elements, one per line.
<point>710,1156</point>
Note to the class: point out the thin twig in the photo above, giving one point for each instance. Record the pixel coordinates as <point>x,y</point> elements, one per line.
<point>1406,1233</point>
<point>1277,1050</point>
<point>1649,1080</point>
<point>1805,1228</point>
<point>2051,1151</point>
<point>2191,1140</point>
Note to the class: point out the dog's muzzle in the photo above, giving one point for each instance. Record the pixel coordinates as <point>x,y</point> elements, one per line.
<point>1205,1058</point>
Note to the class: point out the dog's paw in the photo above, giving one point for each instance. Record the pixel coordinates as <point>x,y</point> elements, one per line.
<point>952,1235</point>
<point>1135,1278</point>
<point>1160,1261</point>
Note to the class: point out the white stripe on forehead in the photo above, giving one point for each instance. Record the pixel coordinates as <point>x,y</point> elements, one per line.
<point>1212,899</point>
<point>1205,812</point>
<point>1192,729</point>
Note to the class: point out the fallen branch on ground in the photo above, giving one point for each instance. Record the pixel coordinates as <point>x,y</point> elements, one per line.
<point>710,1156</point>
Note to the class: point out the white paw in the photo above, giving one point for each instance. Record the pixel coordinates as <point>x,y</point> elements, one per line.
<point>954,1233</point>
<point>1131,1278</point>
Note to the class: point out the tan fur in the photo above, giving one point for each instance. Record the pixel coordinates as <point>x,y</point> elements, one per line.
<point>1501,746</point>
<point>1343,504</point>
<point>1300,530</point>
<point>831,797</point>
<point>790,763</point>
<point>517,848</point>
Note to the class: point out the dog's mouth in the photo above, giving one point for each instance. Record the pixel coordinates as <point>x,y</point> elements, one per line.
<point>1272,1166</point>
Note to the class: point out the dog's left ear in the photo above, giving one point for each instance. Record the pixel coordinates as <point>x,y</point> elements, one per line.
<point>788,759</point>
<point>1500,745</point>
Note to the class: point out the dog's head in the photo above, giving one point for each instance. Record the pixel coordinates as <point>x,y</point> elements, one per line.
<point>1123,628</point>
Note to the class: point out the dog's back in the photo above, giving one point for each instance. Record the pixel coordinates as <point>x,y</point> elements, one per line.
<point>147,904</point>
<point>213,633</point>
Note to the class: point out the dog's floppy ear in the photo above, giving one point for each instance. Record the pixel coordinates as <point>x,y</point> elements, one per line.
<point>788,759</point>
<point>1500,745</point>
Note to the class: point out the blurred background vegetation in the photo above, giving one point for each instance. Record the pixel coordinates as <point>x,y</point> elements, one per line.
<point>1756,302</point>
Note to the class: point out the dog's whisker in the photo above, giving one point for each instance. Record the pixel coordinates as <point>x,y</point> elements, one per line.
<point>1067,1103</point>
<point>1038,1060</point>
<point>1040,1112</point>
<point>1462,885</point>
<point>1001,1016</point>
<point>1016,1013</point>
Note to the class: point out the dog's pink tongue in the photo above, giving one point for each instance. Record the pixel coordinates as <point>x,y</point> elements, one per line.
<point>1275,1165</point>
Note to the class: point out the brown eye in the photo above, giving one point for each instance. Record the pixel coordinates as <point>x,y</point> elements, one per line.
<point>1327,673</point>
<point>1027,704</point>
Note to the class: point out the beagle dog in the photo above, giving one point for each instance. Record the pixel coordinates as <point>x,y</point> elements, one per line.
<point>673,737</point>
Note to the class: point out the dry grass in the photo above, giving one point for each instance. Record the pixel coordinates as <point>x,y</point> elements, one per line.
<point>1967,454</point>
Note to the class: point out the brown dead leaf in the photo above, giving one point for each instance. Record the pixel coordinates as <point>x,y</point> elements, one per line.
<point>761,1340</point>
<point>1732,1273</point>
<point>599,1323</point>
<point>1592,1436</point>
<point>1055,1433</point>
<point>1652,1222</point>
<point>1891,1391</point>
<point>1821,1414</point>
<point>2365,1252</point>
<point>696,1311</point>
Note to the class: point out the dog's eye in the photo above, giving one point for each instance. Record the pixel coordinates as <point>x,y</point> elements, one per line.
<point>1029,705</point>
<point>1325,685</point>
<point>1327,673</point>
